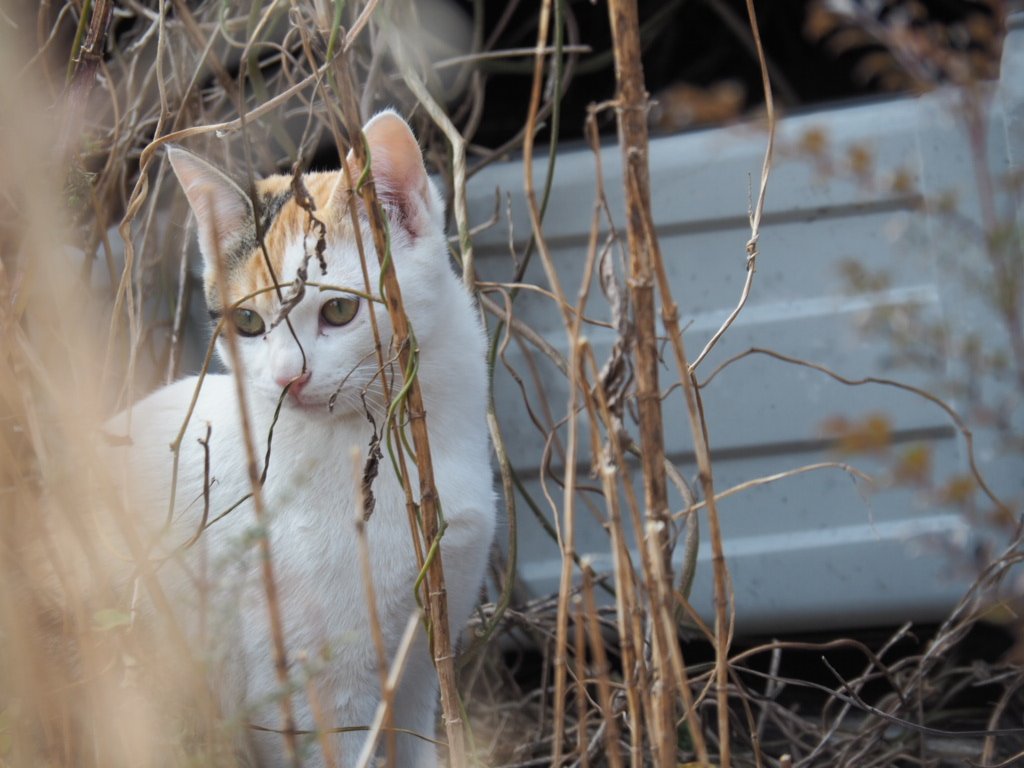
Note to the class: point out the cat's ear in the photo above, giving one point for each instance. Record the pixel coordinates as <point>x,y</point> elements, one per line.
<point>222,209</point>
<point>399,174</point>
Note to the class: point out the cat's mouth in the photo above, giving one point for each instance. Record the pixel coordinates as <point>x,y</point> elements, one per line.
<point>306,402</point>
<point>318,405</point>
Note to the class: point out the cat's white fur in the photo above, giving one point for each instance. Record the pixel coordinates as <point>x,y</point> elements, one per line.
<point>311,497</point>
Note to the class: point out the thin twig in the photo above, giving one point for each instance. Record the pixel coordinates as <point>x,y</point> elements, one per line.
<point>758,210</point>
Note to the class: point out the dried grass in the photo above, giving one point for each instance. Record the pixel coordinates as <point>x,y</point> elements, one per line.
<point>271,87</point>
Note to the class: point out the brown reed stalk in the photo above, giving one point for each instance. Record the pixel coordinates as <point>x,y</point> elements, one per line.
<point>631,113</point>
<point>698,430</point>
<point>566,534</point>
<point>430,513</point>
<point>602,671</point>
<point>580,673</point>
<point>626,606</point>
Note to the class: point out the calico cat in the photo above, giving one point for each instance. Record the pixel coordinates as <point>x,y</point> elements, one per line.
<point>325,355</point>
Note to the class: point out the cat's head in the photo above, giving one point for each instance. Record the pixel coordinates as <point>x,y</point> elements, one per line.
<point>325,352</point>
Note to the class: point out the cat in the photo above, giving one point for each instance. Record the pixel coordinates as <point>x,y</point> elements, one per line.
<point>325,355</point>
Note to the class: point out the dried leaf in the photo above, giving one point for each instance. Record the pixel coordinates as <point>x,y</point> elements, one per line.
<point>914,466</point>
<point>814,142</point>
<point>860,159</point>
<point>370,468</point>
<point>958,490</point>
<point>870,435</point>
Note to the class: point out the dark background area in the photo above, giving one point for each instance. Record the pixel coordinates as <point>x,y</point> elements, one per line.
<point>707,43</point>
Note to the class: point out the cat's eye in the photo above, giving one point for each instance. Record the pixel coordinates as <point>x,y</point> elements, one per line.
<point>247,322</point>
<point>339,311</point>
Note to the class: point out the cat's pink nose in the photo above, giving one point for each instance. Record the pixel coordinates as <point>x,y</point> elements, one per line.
<point>297,382</point>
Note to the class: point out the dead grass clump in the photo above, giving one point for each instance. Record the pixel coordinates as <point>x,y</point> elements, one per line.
<point>97,298</point>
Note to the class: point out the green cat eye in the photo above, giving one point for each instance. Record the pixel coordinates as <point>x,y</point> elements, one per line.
<point>247,322</point>
<point>339,311</point>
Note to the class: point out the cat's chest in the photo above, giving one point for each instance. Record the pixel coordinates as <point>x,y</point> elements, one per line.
<point>312,498</point>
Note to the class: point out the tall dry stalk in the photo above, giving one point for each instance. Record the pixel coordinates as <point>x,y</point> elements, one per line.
<point>428,508</point>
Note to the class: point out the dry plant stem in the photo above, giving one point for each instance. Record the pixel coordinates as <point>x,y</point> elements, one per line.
<point>612,456</point>
<point>676,656</point>
<point>260,513</point>
<point>755,216</point>
<point>567,542</point>
<point>361,21</point>
<point>180,312</point>
<point>580,347</point>
<point>506,53</point>
<point>580,671</point>
<point>513,287</point>
<point>366,567</point>
<point>441,119</point>
<point>643,252</point>
<point>509,494</point>
<point>768,479</point>
<point>670,319</point>
<point>322,728</point>
<point>625,592</point>
<point>430,513</point>
<point>735,24</point>
<point>566,536</point>
<point>723,629</point>
<point>670,316</point>
<point>601,671</point>
<point>528,183</point>
<point>988,750</point>
<point>388,694</point>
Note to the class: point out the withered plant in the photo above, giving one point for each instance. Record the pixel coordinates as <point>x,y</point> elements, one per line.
<point>96,301</point>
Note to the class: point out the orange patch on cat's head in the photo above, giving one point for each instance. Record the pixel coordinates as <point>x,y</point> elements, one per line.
<point>251,235</point>
<point>283,222</point>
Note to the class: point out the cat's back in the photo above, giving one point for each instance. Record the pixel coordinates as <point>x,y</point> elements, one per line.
<point>146,437</point>
<point>162,413</point>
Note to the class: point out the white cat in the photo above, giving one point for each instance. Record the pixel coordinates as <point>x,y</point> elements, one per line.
<point>311,487</point>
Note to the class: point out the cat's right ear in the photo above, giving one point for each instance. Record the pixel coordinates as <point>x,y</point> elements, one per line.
<point>222,209</point>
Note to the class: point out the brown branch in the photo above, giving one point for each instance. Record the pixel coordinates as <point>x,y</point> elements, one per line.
<point>644,254</point>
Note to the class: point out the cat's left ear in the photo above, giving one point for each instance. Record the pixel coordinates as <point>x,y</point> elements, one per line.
<point>223,211</point>
<point>399,174</point>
